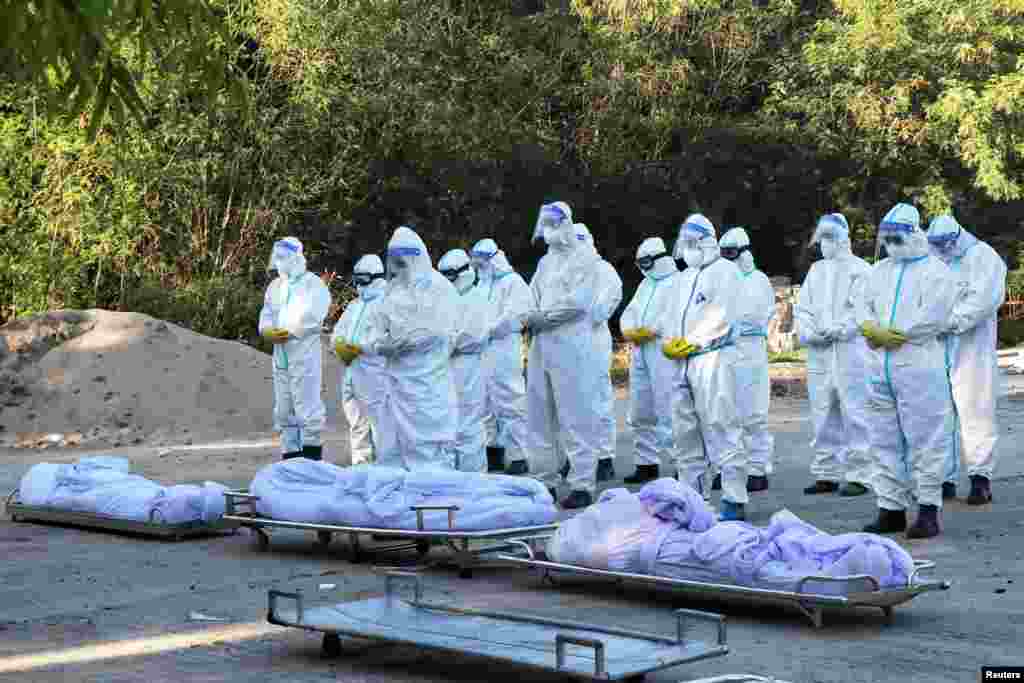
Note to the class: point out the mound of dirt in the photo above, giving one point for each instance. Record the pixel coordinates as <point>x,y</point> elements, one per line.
<point>103,378</point>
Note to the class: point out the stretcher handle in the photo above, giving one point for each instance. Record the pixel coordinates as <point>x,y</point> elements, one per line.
<point>419,509</point>
<point>393,576</point>
<point>919,566</point>
<point>837,579</point>
<point>232,498</point>
<point>273,595</point>
<point>683,614</point>
<point>562,640</point>
<point>10,497</point>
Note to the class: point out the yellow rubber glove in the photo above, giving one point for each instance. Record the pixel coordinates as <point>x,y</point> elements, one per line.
<point>276,335</point>
<point>643,335</point>
<point>339,347</point>
<point>677,348</point>
<point>882,337</point>
<point>355,350</point>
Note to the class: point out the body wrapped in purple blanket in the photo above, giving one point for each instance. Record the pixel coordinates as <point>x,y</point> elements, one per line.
<point>668,530</point>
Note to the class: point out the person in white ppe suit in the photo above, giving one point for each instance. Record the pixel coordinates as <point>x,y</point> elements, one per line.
<point>471,334</point>
<point>755,307</point>
<point>609,297</point>
<point>294,309</point>
<point>414,321</point>
<point>827,324</point>
<point>707,427</point>
<point>651,317</point>
<point>971,356</point>
<point>508,300</point>
<point>565,369</point>
<point>908,299</point>
<point>363,385</point>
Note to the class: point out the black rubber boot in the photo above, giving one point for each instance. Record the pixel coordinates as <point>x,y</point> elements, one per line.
<point>822,487</point>
<point>565,470</point>
<point>293,454</point>
<point>888,522</point>
<point>757,482</point>
<point>853,488</point>
<point>313,452</point>
<point>643,474</point>
<point>554,494</point>
<point>981,491</point>
<point>716,483</point>
<point>577,499</point>
<point>927,523</point>
<point>948,490</point>
<point>495,459</point>
<point>605,470</point>
<point>517,468</point>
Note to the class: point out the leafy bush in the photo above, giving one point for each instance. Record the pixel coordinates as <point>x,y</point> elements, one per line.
<point>1011,333</point>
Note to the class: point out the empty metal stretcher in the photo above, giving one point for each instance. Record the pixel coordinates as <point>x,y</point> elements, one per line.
<point>577,649</point>
<point>465,554</point>
<point>856,591</point>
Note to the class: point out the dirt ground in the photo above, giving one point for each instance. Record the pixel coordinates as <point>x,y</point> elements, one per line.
<point>77,605</point>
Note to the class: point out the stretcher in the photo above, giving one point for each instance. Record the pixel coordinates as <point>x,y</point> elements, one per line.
<point>464,554</point>
<point>154,528</point>
<point>575,649</point>
<point>856,591</point>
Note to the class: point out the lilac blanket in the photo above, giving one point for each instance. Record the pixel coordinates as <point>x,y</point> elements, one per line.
<point>668,530</point>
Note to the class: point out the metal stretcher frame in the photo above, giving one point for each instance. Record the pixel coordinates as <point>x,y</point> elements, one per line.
<point>810,604</point>
<point>463,556</point>
<point>601,653</point>
<point>19,512</point>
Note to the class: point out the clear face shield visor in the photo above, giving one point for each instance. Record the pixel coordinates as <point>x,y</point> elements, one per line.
<point>481,259</point>
<point>550,220</point>
<point>282,254</point>
<point>400,259</point>
<point>895,237</point>
<point>944,242</point>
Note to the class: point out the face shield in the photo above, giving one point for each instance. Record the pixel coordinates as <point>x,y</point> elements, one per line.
<point>553,221</point>
<point>482,255</point>
<point>695,235</point>
<point>943,234</point>
<point>830,234</point>
<point>400,261</point>
<point>896,238</point>
<point>286,256</point>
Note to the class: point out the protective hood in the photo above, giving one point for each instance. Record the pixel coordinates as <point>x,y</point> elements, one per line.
<point>946,238</point>
<point>903,223</point>
<point>488,260</point>
<point>287,258</point>
<point>697,243</point>
<point>555,226</point>
<point>736,243</point>
<point>652,254</point>
<point>455,266</point>
<point>833,234</point>
<point>408,258</point>
<point>583,235</point>
<point>368,276</point>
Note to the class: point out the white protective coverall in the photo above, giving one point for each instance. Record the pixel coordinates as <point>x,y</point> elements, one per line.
<point>609,296</point>
<point>297,301</point>
<point>707,428</point>
<point>910,411</point>
<point>565,370</point>
<point>363,383</point>
<point>971,344</point>
<point>826,322</point>
<point>508,301</point>
<point>652,375</point>
<point>756,306</point>
<point>415,322</point>
<point>471,328</point>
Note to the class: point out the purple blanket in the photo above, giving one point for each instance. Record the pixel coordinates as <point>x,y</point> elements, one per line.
<point>668,530</point>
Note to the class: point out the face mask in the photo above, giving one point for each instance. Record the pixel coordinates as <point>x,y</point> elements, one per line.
<point>828,248</point>
<point>746,262</point>
<point>694,258</point>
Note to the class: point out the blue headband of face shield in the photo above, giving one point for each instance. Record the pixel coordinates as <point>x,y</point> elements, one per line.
<point>483,255</point>
<point>404,251</point>
<point>891,226</point>
<point>694,231</point>
<point>287,246</point>
<point>945,241</point>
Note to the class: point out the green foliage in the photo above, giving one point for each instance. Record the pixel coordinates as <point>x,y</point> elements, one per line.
<point>77,53</point>
<point>799,356</point>
<point>1011,333</point>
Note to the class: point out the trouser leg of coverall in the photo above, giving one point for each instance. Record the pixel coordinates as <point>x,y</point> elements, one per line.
<point>581,429</point>
<point>286,422</point>
<point>753,396</point>
<point>976,408</point>
<point>705,420</point>
<point>470,440</point>
<point>855,457</point>
<point>542,422</point>
<point>506,398</point>
<point>360,428</point>
<point>606,450</point>
<point>306,382</point>
<point>389,447</point>
<point>892,482</point>
<point>650,410</point>
<point>927,423</point>
<point>828,426</point>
